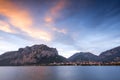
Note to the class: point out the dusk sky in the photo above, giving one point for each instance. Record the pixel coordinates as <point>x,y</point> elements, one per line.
<point>69,25</point>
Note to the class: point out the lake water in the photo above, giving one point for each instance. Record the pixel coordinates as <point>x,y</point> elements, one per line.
<point>60,73</point>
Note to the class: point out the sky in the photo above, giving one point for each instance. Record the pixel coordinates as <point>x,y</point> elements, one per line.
<point>69,25</point>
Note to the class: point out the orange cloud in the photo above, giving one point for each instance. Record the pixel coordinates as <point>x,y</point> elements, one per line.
<point>17,17</point>
<point>48,19</point>
<point>57,8</point>
<point>54,13</point>
<point>5,27</point>
<point>39,34</point>
<point>21,19</point>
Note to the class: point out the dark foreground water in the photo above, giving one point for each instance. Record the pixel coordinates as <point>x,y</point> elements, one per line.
<point>60,73</point>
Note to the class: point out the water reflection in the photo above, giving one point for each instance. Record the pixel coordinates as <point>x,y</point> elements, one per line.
<point>60,73</point>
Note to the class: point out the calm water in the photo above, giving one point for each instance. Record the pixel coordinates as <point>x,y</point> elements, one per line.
<point>60,73</point>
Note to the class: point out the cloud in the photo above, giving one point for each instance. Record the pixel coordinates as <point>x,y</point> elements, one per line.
<point>48,19</point>
<point>53,14</point>
<point>21,19</point>
<point>5,27</point>
<point>18,17</point>
<point>40,34</point>
<point>64,31</point>
<point>55,10</point>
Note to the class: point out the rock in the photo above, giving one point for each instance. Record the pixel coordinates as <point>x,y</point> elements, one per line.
<point>34,55</point>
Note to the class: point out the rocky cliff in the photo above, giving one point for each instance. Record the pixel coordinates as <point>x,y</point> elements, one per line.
<point>34,55</point>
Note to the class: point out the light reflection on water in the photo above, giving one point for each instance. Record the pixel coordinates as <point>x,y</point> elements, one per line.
<point>60,73</point>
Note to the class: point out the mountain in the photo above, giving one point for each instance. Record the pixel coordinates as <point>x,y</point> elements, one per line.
<point>44,55</point>
<point>34,55</point>
<point>112,55</point>
<point>83,56</point>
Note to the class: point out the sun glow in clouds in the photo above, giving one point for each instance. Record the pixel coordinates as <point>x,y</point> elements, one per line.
<point>21,19</point>
<point>76,25</point>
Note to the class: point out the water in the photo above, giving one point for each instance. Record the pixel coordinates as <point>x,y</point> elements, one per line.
<point>60,73</point>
